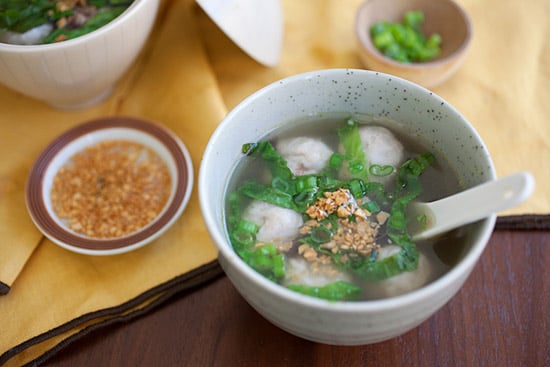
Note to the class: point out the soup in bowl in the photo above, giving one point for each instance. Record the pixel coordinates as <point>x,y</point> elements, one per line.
<point>304,188</point>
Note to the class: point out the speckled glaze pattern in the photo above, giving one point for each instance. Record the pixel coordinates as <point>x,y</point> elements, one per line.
<point>416,111</point>
<point>80,72</point>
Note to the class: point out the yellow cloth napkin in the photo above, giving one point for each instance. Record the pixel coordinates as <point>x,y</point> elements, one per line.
<point>503,87</point>
<point>56,293</point>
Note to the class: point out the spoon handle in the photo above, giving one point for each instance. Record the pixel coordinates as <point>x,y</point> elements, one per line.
<point>474,204</point>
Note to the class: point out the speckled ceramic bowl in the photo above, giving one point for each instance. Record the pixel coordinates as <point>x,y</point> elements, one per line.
<point>419,113</point>
<point>80,72</point>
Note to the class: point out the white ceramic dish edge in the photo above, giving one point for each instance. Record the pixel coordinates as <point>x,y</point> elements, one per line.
<point>287,309</point>
<point>116,133</point>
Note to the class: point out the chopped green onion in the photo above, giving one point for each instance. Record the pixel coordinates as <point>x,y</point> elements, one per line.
<point>279,184</point>
<point>372,207</point>
<point>276,163</point>
<point>413,19</point>
<point>267,261</point>
<point>254,190</point>
<point>321,234</point>
<point>305,198</point>
<point>423,220</point>
<point>381,171</point>
<point>353,147</point>
<point>306,182</point>
<point>335,160</point>
<point>383,40</point>
<point>248,148</point>
<point>243,235</point>
<point>405,42</point>
<point>357,188</point>
<point>337,291</point>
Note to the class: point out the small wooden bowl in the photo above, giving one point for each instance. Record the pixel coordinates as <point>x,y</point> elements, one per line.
<point>444,17</point>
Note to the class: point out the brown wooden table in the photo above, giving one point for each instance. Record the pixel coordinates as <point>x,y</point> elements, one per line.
<point>501,317</point>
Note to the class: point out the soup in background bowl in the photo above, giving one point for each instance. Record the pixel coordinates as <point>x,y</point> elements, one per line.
<point>82,71</point>
<point>315,104</point>
<point>33,23</point>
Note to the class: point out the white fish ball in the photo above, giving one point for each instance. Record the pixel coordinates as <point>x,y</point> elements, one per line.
<point>400,283</point>
<point>277,225</point>
<point>33,36</point>
<point>301,271</point>
<point>381,146</point>
<point>304,155</point>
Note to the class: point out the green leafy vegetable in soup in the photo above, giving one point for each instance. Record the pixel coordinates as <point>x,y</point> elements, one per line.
<point>48,21</point>
<point>329,228</point>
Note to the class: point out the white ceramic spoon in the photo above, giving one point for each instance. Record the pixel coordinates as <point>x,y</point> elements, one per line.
<point>470,205</point>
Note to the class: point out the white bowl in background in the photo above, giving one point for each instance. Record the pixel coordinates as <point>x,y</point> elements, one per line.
<point>80,72</point>
<point>421,113</point>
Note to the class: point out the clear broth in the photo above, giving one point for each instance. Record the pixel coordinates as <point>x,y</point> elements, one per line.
<point>438,180</point>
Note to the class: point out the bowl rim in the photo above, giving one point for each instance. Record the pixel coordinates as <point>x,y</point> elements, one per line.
<point>460,270</point>
<point>92,132</point>
<point>134,7</point>
<point>365,41</point>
